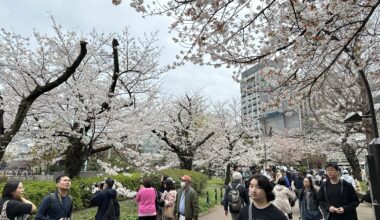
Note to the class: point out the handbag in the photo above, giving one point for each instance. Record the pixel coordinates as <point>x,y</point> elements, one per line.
<point>169,212</point>
<point>3,215</point>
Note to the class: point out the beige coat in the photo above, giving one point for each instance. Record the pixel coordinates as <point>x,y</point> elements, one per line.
<point>283,194</point>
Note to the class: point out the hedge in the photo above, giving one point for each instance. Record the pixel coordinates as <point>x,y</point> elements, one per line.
<point>81,187</point>
<point>198,180</point>
<point>35,191</point>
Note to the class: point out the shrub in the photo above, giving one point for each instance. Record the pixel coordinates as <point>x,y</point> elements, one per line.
<point>35,191</point>
<point>81,187</point>
<point>132,182</point>
<point>198,180</point>
<point>85,185</point>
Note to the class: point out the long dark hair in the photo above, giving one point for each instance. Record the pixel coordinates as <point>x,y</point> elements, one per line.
<point>10,187</point>
<point>313,191</point>
<point>265,184</point>
<point>169,185</point>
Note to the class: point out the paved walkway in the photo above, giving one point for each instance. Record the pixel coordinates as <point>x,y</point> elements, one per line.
<point>364,213</point>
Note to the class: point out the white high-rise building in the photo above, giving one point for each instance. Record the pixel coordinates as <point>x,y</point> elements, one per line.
<point>251,85</point>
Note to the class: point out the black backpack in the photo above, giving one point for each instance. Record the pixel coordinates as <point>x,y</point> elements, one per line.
<point>234,199</point>
<point>53,199</point>
<point>113,210</point>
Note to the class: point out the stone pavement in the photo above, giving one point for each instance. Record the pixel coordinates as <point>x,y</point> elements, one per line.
<point>364,213</point>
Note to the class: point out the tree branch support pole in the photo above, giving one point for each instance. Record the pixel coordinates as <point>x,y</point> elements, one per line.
<point>373,157</point>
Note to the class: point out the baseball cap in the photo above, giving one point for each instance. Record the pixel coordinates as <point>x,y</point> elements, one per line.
<point>186,178</point>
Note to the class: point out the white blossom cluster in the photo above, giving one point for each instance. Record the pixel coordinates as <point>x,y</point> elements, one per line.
<point>97,108</point>
<point>312,39</point>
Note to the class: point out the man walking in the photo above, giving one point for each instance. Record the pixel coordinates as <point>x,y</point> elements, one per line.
<point>337,198</point>
<point>57,205</point>
<point>105,199</point>
<point>186,206</point>
<point>235,197</point>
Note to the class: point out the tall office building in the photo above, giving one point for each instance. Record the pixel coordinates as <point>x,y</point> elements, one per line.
<point>251,86</point>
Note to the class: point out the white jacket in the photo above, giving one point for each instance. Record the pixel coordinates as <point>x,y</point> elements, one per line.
<point>349,179</point>
<point>283,194</point>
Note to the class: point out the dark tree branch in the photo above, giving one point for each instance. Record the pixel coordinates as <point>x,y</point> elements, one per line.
<point>116,70</point>
<point>101,149</point>
<point>164,138</point>
<point>200,143</point>
<point>27,101</point>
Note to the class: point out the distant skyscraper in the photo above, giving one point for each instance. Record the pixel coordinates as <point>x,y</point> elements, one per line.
<point>251,95</point>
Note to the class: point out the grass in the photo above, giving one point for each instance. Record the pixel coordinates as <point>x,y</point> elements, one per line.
<point>211,186</point>
<point>128,208</point>
<point>363,186</point>
<point>127,211</point>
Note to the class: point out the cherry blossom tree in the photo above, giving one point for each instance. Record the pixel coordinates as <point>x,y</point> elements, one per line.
<point>310,38</point>
<point>30,68</point>
<point>100,108</point>
<point>283,147</point>
<point>330,105</point>
<point>228,146</point>
<point>184,127</point>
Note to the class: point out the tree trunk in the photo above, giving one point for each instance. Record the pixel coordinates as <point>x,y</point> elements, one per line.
<point>209,171</point>
<point>2,152</point>
<point>227,177</point>
<point>75,157</point>
<point>186,162</point>
<point>352,159</point>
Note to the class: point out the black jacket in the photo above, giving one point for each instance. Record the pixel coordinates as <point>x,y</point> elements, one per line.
<point>242,191</point>
<point>349,200</point>
<point>102,200</point>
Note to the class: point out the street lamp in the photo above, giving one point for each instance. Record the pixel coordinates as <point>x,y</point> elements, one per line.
<point>373,157</point>
<point>355,117</point>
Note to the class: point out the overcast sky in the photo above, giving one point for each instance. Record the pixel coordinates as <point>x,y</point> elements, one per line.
<point>22,16</point>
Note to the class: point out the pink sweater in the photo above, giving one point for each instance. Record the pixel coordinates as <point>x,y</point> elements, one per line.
<point>146,197</point>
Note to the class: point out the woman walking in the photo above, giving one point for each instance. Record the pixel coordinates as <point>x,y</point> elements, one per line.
<point>283,196</point>
<point>13,204</point>
<point>308,201</point>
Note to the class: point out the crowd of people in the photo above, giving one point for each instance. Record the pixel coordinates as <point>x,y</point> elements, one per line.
<point>266,195</point>
<point>166,203</point>
<point>274,193</point>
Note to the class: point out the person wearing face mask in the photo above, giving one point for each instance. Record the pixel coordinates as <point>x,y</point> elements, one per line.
<point>260,190</point>
<point>186,206</point>
<point>13,203</point>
